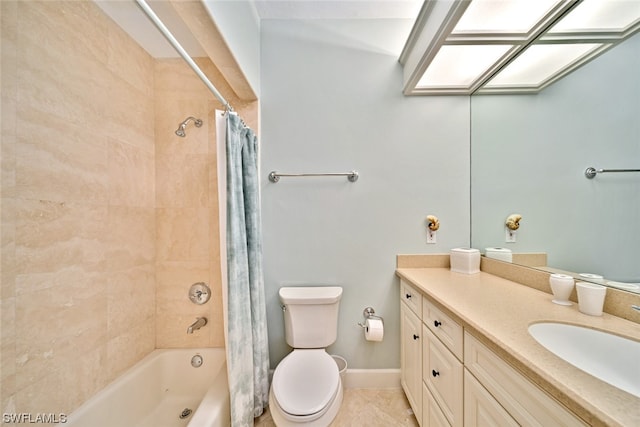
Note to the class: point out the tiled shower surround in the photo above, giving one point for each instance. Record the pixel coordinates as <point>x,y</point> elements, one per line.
<point>107,216</point>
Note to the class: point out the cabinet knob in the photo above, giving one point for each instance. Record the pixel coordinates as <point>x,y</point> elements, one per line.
<point>434,373</point>
<point>415,337</point>
<point>436,323</point>
<point>408,296</point>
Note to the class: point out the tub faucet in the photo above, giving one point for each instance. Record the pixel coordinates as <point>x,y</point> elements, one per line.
<point>199,323</point>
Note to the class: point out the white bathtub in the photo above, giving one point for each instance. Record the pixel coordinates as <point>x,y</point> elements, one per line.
<point>155,391</point>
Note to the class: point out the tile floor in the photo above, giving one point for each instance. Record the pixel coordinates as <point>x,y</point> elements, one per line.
<point>366,407</point>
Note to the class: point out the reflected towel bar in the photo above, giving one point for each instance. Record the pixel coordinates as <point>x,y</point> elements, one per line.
<point>275,176</point>
<point>591,172</point>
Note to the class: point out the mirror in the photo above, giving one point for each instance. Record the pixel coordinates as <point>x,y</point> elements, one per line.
<point>529,154</point>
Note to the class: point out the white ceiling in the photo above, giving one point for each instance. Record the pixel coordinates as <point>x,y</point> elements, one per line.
<point>129,16</point>
<point>338,9</point>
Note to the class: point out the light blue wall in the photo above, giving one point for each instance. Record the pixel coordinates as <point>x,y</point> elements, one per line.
<point>331,102</point>
<point>529,155</point>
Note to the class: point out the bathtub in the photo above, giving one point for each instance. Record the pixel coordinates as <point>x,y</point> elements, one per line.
<point>157,390</point>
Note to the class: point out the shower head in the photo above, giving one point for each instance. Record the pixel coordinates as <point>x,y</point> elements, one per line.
<point>180,131</point>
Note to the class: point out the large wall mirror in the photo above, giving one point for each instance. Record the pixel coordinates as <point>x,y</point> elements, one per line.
<point>529,154</point>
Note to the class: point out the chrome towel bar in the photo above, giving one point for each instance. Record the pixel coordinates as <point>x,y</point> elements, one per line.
<point>591,172</point>
<point>275,176</point>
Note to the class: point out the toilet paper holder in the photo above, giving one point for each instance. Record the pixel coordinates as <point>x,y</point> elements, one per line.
<point>369,313</point>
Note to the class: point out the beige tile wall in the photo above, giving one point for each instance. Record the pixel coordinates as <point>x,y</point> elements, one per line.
<point>78,204</point>
<point>187,202</point>
<point>106,216</point>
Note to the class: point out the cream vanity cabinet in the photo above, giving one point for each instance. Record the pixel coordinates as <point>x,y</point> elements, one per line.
<point>411,346</point>
<point>451,379</point>
<point>523,401</point>
<point>442,363</point>
<point>431,372</point>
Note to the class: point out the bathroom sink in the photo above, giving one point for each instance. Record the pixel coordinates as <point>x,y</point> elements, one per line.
<point>611,358</point>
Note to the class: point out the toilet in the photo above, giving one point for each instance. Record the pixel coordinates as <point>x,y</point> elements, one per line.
<point>306,388</point>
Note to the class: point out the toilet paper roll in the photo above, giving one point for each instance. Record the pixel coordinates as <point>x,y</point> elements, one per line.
<point>373,330</point>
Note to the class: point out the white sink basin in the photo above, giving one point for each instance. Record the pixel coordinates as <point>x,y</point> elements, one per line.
<point>613,359</point>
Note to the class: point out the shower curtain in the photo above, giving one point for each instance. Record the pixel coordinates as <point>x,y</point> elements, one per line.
<point>246,321</point>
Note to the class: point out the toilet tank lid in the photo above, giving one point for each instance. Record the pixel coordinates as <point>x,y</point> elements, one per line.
<point>310,294</point>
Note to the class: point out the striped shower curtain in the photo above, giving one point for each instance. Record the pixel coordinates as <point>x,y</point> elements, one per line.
<point>246,326</point>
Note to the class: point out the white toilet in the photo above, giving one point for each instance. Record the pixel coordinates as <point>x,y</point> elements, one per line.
<point>306,388</point>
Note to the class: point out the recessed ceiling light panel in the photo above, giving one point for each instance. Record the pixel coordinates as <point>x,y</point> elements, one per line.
<point>503,16</point>
<point>539,63</point>
<point>598,15</point>
<point>461,65</point>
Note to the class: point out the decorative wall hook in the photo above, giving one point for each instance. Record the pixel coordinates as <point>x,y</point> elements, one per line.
<point>513,221</point>
<point>433,224</point>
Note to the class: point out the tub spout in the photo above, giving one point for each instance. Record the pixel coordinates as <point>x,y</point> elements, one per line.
<point>199,323</point>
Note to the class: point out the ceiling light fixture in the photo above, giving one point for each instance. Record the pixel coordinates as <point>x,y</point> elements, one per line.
<point>509,46</point>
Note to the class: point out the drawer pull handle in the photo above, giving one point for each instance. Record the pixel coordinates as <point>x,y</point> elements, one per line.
<point>415,337</point>
<point>408,296</point>
<point>436,323</point>
<point>434,373</point>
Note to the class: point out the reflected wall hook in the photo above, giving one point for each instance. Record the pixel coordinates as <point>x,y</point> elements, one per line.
<point>512,224</point>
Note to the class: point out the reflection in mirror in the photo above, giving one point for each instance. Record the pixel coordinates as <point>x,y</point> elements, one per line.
<point>529,154</point>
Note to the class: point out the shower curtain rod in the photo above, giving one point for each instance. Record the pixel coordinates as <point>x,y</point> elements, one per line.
<point>176,45</point>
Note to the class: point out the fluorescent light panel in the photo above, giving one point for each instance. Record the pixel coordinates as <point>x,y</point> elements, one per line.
<point>461,64</point>
<point>503,16</point>
<point>599,15</point>
<point>539,63</point>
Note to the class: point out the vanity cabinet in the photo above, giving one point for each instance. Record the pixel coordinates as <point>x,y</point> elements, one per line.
<point>411,346</point>
<point>451,379</point>
<point>525,402</point>
<point>432,415</point>
<point>441,367</point>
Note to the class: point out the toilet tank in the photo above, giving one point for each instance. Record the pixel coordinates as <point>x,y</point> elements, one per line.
<point>310,315</point>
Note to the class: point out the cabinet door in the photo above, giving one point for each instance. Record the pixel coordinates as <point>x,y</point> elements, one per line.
<point>432,416</point>
<point>411,358</point>
<point>529,405</point>
<point>442,373</point>
<point>480,408</point>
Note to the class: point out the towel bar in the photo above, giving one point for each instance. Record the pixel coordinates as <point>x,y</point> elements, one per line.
<point>275,176</point>
<point>591,172</point>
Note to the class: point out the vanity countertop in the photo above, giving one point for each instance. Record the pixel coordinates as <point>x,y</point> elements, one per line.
<point>499,311</point>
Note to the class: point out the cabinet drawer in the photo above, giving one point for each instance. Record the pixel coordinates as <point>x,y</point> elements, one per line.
<point>442,374</point>
<point>432,416</point>
<point>480,408</point>
<point>444,327</point>
<point>411,297</point>
<point>523,400</point>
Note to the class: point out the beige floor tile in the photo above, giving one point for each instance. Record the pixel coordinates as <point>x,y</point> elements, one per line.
<point>366,407</point>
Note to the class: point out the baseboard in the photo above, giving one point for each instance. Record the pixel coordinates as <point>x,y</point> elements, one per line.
<point>372,378</point>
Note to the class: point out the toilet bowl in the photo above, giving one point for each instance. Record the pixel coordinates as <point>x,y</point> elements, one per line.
<point>306,389</point>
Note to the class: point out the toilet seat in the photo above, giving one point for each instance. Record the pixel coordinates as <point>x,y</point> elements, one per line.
<point>305,383</point>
